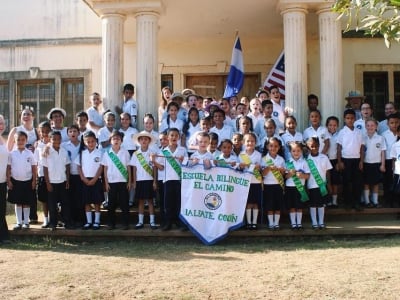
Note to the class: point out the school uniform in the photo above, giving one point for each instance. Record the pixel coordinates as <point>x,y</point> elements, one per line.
<point>41,182</point>
<point>232,158</point>
<point>64,133</point>
<point>336,176</point>
<point>321,133</point>
<point>351,142</point>
<point>383,126</point>
<point>374,146</point>
<point>57,163</point>
<point>127,142</point>
<point>292,195</point>
<point>4,235</point>
<point>168,123</point>
<point>75,184</point>
<point>96,117</point>
<point>192,130</point>
<point>395,154</point>
<point>201,157</point>
<point>360,125</point>
<point>278,115</point>
<point>160,190</point>
<point>32,135</point>
<point>226,132</point>
<point>90,162</point>
<point>390,140</point>
<point>103,136</point>
<point>287,137</point>
<point>266,139</point>
<point>118,195</point>
<point>273,191</point>
<point>130,106</point>
<point>254,196</point>
<point>172,185</point>
<point>144,181</point>
<point>21,163</point>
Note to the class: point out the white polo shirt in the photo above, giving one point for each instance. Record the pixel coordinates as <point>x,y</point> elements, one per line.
<point>128,143</point>
<point>226,132</point>
<point>141,174</point>
<point>299,165</point>
<point>360,125</point>
<point>113,174</point>
<point>278,161</point>
<point>395,154</point>
<point>90,162</point>
<point>373,148</point>
<point>321,133</point>
<point>21,163</point>
<point>131,107</point>
<point>178,124</point>
<point>390,139</point>
<point>255,158</point>
<point>332,152</point>
<point>278,115</point>
<point>103,135</point>
<point>169,172</point>
<point>57,162</point>
<point>287,138</point>
<point>96,117</point>
<point>38,154</point>
<point>73,151</point>
<point>351,141</point>
<point>322,164</point>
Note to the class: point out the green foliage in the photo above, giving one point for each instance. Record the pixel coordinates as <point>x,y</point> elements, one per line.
<point>373,16</point>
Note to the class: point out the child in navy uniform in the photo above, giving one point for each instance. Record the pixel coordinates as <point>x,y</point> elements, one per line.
<point>21,179</point>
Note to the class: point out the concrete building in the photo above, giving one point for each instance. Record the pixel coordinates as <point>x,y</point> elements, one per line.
<point>55,53</point>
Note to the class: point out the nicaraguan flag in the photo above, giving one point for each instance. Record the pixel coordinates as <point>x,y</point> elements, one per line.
<point>235,79</point>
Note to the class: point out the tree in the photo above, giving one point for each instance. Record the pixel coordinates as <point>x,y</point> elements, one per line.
<point>373,16</point>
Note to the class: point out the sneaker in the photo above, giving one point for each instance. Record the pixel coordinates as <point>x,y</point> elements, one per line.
<point>96,226</point>
<point>139,226</point>
<point>87,226</point>
<point>17,227</point>
<point>25,226</point>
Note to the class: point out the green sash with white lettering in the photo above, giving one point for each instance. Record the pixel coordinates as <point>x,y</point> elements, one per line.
<point>118,164</point>
<point>297,183</point>
<point>172,162</point>
<point>144,163</point>
<point>317,177</point>
<point>246,159</point>
<point>278,175</point>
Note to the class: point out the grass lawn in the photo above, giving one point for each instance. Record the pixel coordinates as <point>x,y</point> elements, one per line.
<point>311,268</point>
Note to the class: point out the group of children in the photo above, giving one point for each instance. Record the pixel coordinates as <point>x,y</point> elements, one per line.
<point>76,168</point>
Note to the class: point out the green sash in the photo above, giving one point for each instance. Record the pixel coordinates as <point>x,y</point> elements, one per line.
<point>246,159</point>
<point>222,163</point>
<point>317,177</point>
<point>144,163</point>
<point>118,164</point>
<point>172,162</point>
<point>297,182</point>
<point>278,175</point>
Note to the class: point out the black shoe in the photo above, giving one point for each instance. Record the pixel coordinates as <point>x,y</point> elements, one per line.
<point>299,227</point>
<point>254,227</point>
<point>248,226</point>
<point>153,226</point>
<point>53,228</point>
<point>87,226</point>
<point>139,226</point>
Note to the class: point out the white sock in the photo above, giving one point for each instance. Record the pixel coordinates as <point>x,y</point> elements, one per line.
<point>105,196</point>
<point>26,210</point>
<point>366,196</point>
<point>248,215</point>
<point>313,215</point>
<point>97,215</point>
<point>255,215</point>
<point>18,214</point>
<point>334,199</point>
<point>141,218</point>
<point>152,219</point>
<point>299,216</point>
<point>292,218</point>
<point>271,220</point>
<point>277,217</point>
<point>375,198</point>
<point>89,217</point>
<point>45,220</point>
<point>321,215</point>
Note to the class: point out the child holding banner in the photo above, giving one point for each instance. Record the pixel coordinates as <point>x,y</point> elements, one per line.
<point>249,160</point>
<point>173,156</point>
<point>273,170</point>
<point>227,157</point>
<point>202,156</point>
<point>296,175</point>
<point>319,165</point>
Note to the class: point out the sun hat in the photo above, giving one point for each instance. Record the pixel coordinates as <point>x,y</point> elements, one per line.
<point>143,133</point>
<point>54,110</point>
<point>355,94</point>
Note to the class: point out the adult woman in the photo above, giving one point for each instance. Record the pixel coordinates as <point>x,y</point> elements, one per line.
<point>4,236</point>
<point>27,118</point>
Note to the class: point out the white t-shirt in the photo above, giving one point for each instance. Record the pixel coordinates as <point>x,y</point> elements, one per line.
<point>21,163</point>
<point>56,162</point>
<point>351,141</point>
<point>322,164</point>
<point>113,173</point>
<point>373,148</point>
<point>90,162</point>
<point>299,165</point>
<point>278,161</point>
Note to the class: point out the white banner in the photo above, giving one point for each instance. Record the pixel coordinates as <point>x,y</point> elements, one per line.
<point>213,201</point>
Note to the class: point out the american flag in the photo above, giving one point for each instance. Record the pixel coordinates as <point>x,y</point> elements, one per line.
<point>277,75</point>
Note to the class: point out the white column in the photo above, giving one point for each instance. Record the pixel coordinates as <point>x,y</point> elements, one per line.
<point>294,29</point>
<point>147,85</point>
<point>330,42</point>
<point>112,59</point>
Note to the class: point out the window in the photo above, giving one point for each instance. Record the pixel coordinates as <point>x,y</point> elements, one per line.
<point>36,95</point>
<point>167,80</point>
<point>376,92</point>
<point>72,98</point>
<point>4,103</point>
<point>396,79</point>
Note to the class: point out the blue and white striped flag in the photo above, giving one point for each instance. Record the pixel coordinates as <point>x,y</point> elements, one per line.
<point>235,79</point>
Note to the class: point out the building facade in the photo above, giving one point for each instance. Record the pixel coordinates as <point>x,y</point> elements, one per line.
<point>56,53</point>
